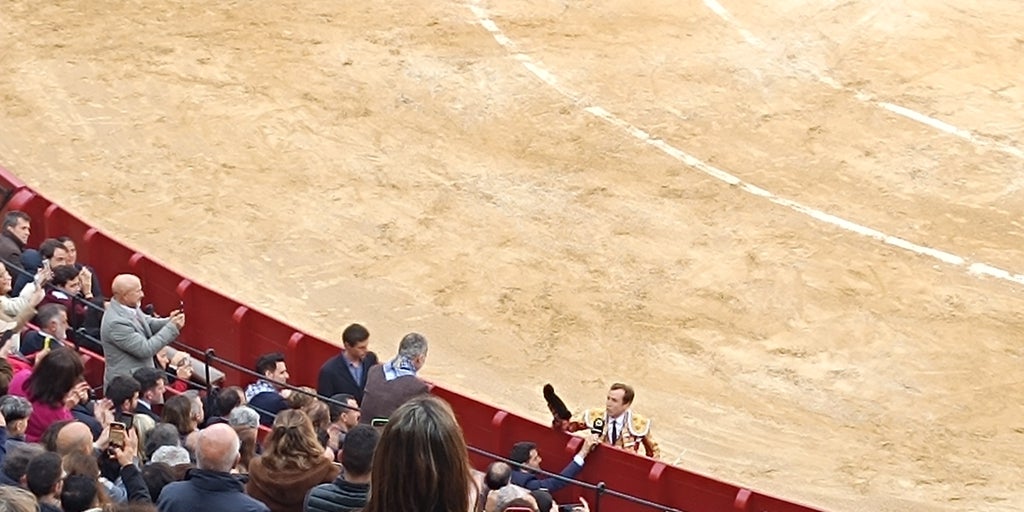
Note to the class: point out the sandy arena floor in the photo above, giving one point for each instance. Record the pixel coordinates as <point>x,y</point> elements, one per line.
<point>392,163</point>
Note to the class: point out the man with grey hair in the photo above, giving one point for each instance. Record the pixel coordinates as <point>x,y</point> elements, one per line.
<point>244,416</point>
<point>14,412</point>
<point>393,383</point>
<point>211,486</point>
<point>514,496</point>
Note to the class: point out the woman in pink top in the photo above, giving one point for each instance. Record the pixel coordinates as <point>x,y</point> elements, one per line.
<point>52,388</point>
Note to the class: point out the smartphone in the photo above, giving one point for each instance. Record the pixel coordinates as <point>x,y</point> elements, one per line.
<point>378,422</point>
<point>46,264</point>
<point>118,434</point>
<point>127,419</point>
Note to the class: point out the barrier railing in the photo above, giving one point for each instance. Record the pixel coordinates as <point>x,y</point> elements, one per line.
<point>239,333</point>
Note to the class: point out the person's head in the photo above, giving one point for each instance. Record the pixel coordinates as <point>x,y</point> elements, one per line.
<point>421,462</point>
<point>124,392</point>
<point>292,443</point>
<point>178,412</point>
<point>299,400</point>
<point>525,452</point>
<point>498,475</point>
<point>347,417</point>
<point>16,462</point>
<point>65,277</point>
<point>70,247</point>
<point>244,416</point>
<point>49,437</point>
<point>163,434</point>
<point>514,496</point>
<point>156,475</point>
<point>53,320</point>
<point>171,455</point>
<point>59,371</point>
<point>51,249</point>
<point>78,493</point>
<point>319,414</point>
<point>152,384</point>
<point>227,399</point>
<point>6,372</point>
<point>44,474</point>
<point>247,447</point>
<point>620,397</point>
<point>84,465</point>
<point>545,502</point>
<point>356,341</point>
<point>357,451</point>
<point>272,367</point>
<point>413,348</point>
<point>16,411</point>
<point>18,224</point>
<point>217,448</point>
<point>74,437</point>
<point>127,289</point>
<point>16,499</point>
<point>198,410</point>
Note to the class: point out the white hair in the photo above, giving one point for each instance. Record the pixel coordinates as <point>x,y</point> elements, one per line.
<point>171,455</point>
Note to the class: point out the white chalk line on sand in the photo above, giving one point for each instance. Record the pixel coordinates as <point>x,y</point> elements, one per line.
<point>975,268</point>
<point>866,97</point>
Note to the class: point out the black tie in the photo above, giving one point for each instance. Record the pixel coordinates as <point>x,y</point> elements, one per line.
<point>615,431</point>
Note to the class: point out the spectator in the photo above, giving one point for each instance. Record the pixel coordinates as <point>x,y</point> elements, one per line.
<point>347,371</point>
<point>421,463</point>
<point>172,456</point>
<point>247,437</point>
<point>17,227</point>
<point>498,475</point>
<point>6,374</point>
<point>17,499</point>
<point>343,419</point>
<point>75,437</point>
<point>85,465</point>
<point>163,434</point>
<point>152,386</point>
<point>130,337</point>
<point>512,496</point>
<point>292,463</point>
<point>157,475</point>
<point>49,437</point>
<point>244,416</point>
<point>211,486</point>
<point>198,410</point>
<point>43,479</point>
<point>124,393</point>
<point>351,489</point>
<point>67,291</point>
<point>301,398</point>
<point>32,269</point>
<point>16,463</point>
<point>15,412</point>
<point>52,320</point>
<point>93,282</point>
<point>618,424</point>
<point>264,394</point>
<point>177,365</point>
<point>526,453</point>
<point>53,388</point>
<point>16,312</point>
<point>178,412</point>
<point>53,253</point>
<point>79,494</point>
<point>223,401</point>
<point>391,384</point>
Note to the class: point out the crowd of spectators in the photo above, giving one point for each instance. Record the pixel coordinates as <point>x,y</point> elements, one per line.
<point>162,438</point>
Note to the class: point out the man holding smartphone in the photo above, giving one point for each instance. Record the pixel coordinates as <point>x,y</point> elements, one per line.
<point>130,337</point>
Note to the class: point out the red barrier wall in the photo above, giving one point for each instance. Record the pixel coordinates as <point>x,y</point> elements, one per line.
<point>240,333</point>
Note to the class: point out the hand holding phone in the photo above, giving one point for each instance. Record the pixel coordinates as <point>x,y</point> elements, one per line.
<point>118,434</point>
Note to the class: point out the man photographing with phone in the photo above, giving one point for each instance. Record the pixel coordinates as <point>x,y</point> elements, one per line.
<point>130,337</point>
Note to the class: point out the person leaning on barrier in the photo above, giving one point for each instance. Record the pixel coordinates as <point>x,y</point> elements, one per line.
<point>130,337</point>
<point>391,384</point>
<point>526,453</point>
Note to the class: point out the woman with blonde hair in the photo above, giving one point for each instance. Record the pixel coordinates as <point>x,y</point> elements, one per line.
<point>292,463</point>
<point>421,463</point>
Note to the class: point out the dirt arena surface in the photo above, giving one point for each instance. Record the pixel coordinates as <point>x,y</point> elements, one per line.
<point>391,163</point>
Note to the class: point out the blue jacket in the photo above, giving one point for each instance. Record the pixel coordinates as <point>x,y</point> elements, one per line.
<point>528,480</point>
<point>208,490</point>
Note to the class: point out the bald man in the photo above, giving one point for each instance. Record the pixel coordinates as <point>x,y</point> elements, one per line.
<point>130,337</point>
<point>74,437</point>
<point>211,486</point>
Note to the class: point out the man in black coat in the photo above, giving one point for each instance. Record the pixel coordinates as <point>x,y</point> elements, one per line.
<point>346,372</point>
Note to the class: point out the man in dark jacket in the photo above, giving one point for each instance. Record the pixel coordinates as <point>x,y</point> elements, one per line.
<point>211,486</point>
<point>13,237</point>
<point>346,372</point>
<point>349,491</point>
<point>526,454</point>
